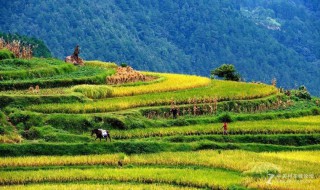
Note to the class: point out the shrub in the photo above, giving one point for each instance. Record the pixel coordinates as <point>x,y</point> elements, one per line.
<point>6,54</point>
<point>303,93</point>
<point>315,111</point>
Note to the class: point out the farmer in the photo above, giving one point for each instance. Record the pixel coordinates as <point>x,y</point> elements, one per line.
<point>225,128</point>
<point>174,111</point>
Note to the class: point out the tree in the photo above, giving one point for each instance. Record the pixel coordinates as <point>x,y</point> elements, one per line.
<point>227,72</point>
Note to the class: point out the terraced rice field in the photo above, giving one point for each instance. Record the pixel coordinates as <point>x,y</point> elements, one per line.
<point>272,142</point>
<point>202,169</point>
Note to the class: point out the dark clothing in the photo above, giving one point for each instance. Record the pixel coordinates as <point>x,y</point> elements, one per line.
<point>76,51</point>
<point>174,113</point>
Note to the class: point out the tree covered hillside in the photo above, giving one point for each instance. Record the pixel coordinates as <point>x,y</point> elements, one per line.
<point>263,39</point>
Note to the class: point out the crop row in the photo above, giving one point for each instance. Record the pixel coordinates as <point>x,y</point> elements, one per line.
<point>97,186</point>
<point>171,82</point>
<point>34,68</point>
<point>214,179</point>
<point>236,160</point>
<point>101,64</point>
<point>84,75</point>
<point>301,172</point>
<point>34,63</point>
<point>278,139</point>
<point>221,90</point>
<point>286,183</point>
<point>213,107</point>
<point>278,126</point>
<point>277,184</point>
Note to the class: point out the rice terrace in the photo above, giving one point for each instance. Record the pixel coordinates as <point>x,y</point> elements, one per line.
<point>49,107</point>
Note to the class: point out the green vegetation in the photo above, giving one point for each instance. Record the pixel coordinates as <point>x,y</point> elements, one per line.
<point>6,54</point>
<point>221,90</point>
<point>227,72</point>
<point>100,64</point>
<point>162,83</point>
<point>82,75</point>
<point>91,91</point>
<point>261,38</point>
<point>39,47</point>
<point>14,69</point>
<point>196,178</point>
<point>106,185</point>
<point>46,143</point>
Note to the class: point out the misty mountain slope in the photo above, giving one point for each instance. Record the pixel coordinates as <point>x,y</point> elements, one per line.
<point>180,36</point>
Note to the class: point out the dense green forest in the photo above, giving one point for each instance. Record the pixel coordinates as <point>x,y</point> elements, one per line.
<point>263,39</point>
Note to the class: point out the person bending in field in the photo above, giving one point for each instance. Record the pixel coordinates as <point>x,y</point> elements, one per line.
<point>225,128</point>
<point>174,111</point>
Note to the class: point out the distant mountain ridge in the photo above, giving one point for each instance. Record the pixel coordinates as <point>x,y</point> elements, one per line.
<point>263,39</point>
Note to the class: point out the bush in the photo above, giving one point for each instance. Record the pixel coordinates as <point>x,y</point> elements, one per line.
<point>6,54</point>
<point>302,93</point>
<point>315,111</point>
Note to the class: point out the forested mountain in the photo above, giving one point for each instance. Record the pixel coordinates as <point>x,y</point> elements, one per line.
<point>264,39</point>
